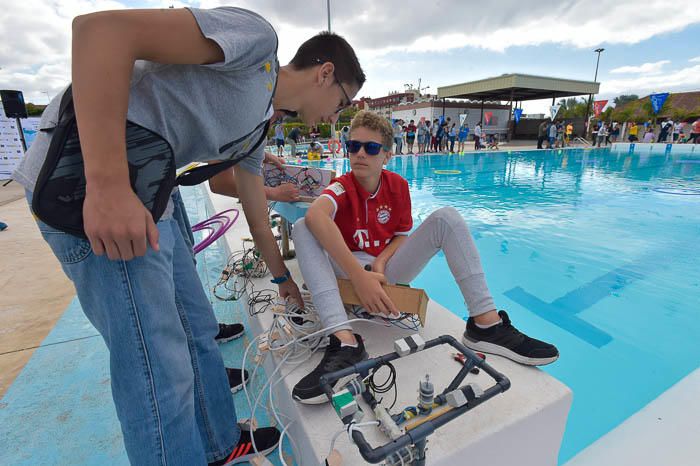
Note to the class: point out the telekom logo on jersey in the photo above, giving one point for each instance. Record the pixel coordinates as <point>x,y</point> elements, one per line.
<point>361,238</point>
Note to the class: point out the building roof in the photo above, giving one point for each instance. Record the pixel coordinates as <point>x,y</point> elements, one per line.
<point>679,105</point>
<point>520,87</point>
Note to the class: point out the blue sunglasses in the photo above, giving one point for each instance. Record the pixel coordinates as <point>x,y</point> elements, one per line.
<point>371,147</point>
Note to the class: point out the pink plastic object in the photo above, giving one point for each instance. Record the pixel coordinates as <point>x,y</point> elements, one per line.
<point>216,226</point>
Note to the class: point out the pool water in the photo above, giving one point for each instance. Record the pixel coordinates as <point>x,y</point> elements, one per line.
<point>594,250</point>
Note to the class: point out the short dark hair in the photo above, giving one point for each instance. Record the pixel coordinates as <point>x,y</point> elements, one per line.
<point>329,47</point>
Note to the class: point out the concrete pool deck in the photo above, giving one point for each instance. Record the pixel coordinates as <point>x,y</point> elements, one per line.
<point>35,292</point>
<point>664,432</point>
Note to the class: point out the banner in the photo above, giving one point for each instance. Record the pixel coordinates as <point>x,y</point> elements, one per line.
<point>488,116</point>
<point>11,151</point>
<point>462,118</point>
<point>598,107</point>
<point>517,113</point>
<point>657,101</point>
<point>30,127</point>
<point>554,109</point>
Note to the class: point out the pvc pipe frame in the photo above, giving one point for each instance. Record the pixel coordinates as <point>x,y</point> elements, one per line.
<point>420,432</point>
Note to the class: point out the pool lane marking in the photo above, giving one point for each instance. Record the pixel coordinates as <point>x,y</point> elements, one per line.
<point>562,311</point>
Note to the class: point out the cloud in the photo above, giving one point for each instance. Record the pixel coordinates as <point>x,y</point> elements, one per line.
<point>681,79</point>
<point>695,60</point>
<point>386,34</point>
<point>648,68</point>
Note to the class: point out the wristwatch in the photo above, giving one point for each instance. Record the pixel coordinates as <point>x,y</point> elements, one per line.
<point>282,279</point>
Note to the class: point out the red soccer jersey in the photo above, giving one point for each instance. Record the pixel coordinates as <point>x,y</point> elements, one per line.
<point>368,221</point>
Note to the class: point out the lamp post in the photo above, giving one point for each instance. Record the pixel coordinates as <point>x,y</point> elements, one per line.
<point>590,96</point>
<point>328,10</point>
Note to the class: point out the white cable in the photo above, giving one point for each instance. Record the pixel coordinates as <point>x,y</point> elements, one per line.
<point>284,359</point>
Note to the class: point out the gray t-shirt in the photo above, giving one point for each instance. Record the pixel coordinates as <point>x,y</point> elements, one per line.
<point>205,112</point>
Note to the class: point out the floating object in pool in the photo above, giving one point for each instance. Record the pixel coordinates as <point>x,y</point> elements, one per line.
<point>678,191</point>
<point>447,172</point>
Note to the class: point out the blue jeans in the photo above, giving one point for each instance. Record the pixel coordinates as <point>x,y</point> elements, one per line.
<point>168,380</point>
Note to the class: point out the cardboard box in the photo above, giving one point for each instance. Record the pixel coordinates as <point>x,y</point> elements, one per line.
<point>406,299</point>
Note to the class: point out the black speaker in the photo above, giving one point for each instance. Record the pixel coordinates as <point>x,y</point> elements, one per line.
<point>13,102</point>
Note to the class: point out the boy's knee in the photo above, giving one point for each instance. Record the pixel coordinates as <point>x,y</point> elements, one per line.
<point>299,228</point>
<point>450,214</point>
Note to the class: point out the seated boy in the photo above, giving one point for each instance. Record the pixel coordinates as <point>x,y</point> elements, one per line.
<point>315,151</point>
<point>364,218</point>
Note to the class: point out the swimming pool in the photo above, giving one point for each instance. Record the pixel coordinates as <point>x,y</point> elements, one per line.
<point>593,250</point>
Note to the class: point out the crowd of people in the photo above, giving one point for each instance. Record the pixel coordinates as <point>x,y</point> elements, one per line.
<point>555,133</point>
<point>438,135</point>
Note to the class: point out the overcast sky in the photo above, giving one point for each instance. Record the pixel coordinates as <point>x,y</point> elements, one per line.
<point>651,46</point>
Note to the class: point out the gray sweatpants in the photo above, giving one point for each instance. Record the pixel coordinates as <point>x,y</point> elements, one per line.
<point>444,229</point>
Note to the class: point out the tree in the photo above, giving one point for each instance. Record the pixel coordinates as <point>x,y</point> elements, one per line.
<point>625,98</point>
<point>572,108</point>
<point>35,110</point>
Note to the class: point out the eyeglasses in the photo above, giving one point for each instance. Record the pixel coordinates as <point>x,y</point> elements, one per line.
<point>348,101</point>
<point>371,147</point>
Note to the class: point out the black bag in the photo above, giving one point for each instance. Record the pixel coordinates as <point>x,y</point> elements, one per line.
<point>60,188</point>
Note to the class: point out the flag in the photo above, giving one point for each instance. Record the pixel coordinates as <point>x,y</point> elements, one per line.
<point>554,109</point>
<point>517,113</point>
<point>487,118</point>
<point>657,101</point>
<point>598,107</point>
<point>462,118</point>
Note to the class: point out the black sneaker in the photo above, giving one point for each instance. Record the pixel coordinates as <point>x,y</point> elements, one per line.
<point>228,332</point>
<point>266,440</point>
<point>308,390</point>
<point>236,378</point>
<point>505,340</point>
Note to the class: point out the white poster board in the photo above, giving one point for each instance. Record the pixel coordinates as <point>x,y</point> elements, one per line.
<point>11,151</point>
<point>311,181</point>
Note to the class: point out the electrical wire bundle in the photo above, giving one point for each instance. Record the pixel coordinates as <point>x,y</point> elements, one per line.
<point>236,278</point>
<point>405,321</point>
<point>307,179</point>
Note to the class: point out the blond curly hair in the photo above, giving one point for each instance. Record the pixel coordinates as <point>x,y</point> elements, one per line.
<point>372,121</point>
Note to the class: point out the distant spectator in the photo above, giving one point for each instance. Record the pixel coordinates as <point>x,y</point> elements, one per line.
<point>648,135</point>
<point>615,133</point>
<point>602,134</point>
<point>410,135</point>
<point>560,134</point>
<point>422,131</point>
<point>314,133</point>
<point>279,139</point>
<point>452,136</point>
<point>344,137</point>
<point>398,136</point>
<point>542,133</point>
<point>477,136</point>
<point>440,136</point>
<point>433,135</point>
<point>552,134</point>
<point>463,134</point>
<point>633,131</point>
<point>493,141</point>
<point>677,130</point>
<point>569,133</point>
<point>695,132</point>
<point>293,138</point>
<point>666,126</point>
